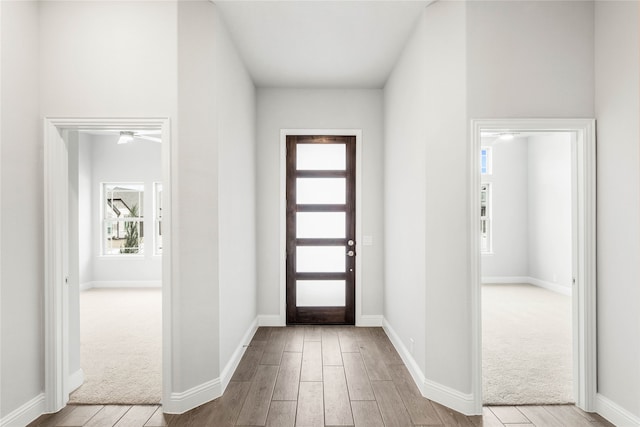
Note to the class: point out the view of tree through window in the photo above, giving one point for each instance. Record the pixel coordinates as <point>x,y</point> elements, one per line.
<point>123,213</point>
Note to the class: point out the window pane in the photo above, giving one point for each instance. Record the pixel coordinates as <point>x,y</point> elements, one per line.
<point>321,156</point>
<point>158,219</point>
<point>159,203</point>
<point>320,225</point>
<point>484,236</point>
<point>320,259</point>
<point>320,293</point>
<point>483,162</point>
<point>158,237</point>
<point>124,200</point>
<point>123,237</point>
<point>321,190</point>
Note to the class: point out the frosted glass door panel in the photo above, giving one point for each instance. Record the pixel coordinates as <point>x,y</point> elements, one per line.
<point>321,191</point>
<point>321,157</point>
<point>320,259</point>
<point>321,225</point>
<point>320,293</point>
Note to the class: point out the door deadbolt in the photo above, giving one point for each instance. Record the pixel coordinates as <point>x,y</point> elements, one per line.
<point>351,253</point>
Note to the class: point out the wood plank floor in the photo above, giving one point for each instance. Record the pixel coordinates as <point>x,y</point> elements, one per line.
<point>320,376</point>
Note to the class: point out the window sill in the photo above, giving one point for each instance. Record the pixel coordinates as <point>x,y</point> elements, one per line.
<point>121,257</point>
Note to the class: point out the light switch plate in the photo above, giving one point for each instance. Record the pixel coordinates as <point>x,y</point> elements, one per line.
<point>367,240</point>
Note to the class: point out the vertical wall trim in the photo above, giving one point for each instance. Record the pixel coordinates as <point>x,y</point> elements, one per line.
<point>55,205</point>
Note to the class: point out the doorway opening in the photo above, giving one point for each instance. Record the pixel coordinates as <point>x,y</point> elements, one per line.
<point>581,276</point>
<point>115,266</point>
<point>527,267</point>
<point>129,226</point>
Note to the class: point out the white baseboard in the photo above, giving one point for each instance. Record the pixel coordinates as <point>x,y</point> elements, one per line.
<point>179,403</point>
<point>432,390</point>
<point>25,414</point>
<point>614,413</point>
<point>555,287</point>
<point>504,279</point>
<point>230,367</point>
<point>121,284</point>
<point>75,380</point>
<point>405,355</point>
<point>370,320</point>
<point>449,397</point>
<point>270,320</point>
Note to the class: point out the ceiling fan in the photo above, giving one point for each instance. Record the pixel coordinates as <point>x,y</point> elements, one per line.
<point>127,136</point>
<point>500,136</point>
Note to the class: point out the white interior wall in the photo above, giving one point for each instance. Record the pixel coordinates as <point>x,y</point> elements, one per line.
<point>509,210</point>
<point>236,96</point>
<point>617,53</point>
<point>197,297</point>
<point>108,59</point>
<point>426,194</point>
<point>216,113</point>
<point>550,209</point>
<point>530,59</point>
<point>21,264</point>
<point>318,109</point>
<point>405,194</point>
<point>135,162</point>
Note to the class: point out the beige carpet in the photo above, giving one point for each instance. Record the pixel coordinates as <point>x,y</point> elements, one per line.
<point>120,346</point>
<point>526,346</point>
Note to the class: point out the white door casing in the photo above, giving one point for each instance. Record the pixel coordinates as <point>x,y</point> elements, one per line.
<point>56,319</point>
<point>584,248</point>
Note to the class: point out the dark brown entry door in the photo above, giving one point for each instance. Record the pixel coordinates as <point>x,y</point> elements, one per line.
<point>321,227</point>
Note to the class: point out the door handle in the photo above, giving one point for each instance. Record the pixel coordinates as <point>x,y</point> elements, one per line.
<point>351,243</point>
<point>351,253</point>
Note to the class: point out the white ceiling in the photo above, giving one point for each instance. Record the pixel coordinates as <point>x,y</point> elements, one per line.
<point>320,44</point>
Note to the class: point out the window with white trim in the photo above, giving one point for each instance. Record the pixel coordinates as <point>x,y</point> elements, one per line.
<point>485,218</point>
<point>485,161</point>
<point>122,218</point>
<point>157,191</point>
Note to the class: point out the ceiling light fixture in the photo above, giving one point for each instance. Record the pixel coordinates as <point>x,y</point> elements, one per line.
<point>125,137</point>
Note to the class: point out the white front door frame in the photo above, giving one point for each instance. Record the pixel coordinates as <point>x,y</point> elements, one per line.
<point>584,224</point>
<point>282,320</point>
<point>56,310</point>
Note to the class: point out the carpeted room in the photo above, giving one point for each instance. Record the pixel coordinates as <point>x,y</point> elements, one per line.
<point>527,350</point>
